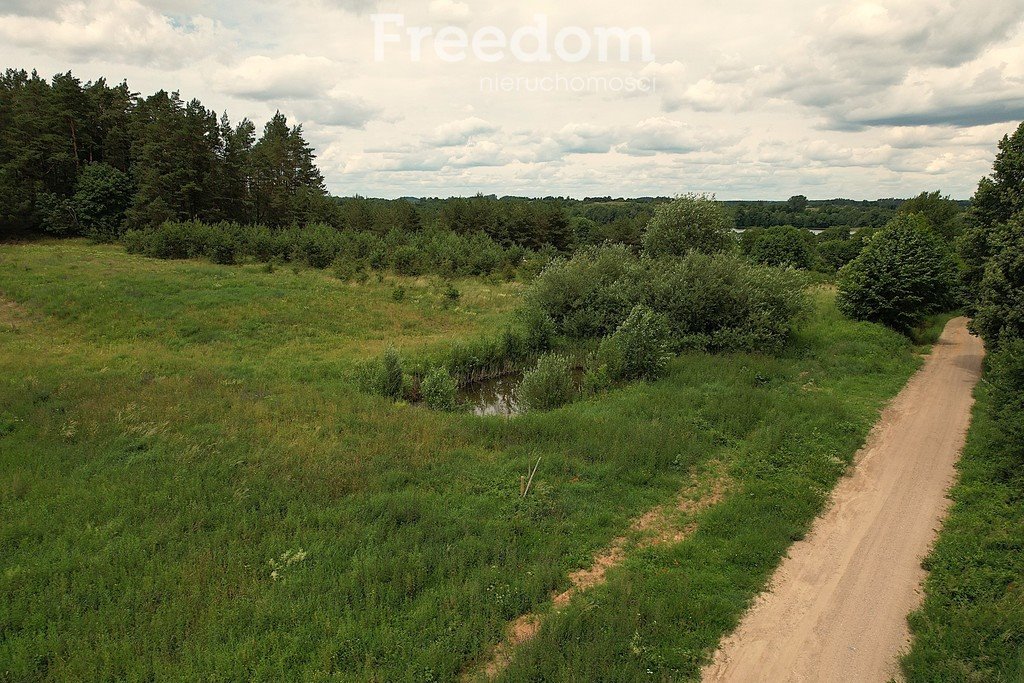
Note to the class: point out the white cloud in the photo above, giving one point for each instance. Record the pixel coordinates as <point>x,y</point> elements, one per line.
<point>260,77</point>
<point>460,132</point>
<point>857,98</point>
<point>106,30</point>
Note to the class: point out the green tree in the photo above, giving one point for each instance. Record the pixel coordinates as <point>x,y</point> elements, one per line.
<point>904,273</point>
<point>692,222</point>
<point>940,211</point>
<point>285,179</point>
<point>999,305</point>
<point>999,198</point>
<point>782,245</point>
<point>102,196</point>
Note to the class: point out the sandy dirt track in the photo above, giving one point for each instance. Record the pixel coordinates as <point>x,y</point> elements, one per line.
<point>836,607</point>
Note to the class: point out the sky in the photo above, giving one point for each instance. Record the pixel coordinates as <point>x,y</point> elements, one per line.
<point>743,99</point>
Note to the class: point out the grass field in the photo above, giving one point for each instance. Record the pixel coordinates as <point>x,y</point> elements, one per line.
<point>190,487</point>
<point>971,626</point>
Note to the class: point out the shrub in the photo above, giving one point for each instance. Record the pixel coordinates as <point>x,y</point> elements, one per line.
<point>405,260</point>
<point>548,385</point>
<point>348,269</point>
<point>718,302</point>
<point>692,222</point>
<point>222,247</point>
<point>722,302</point>
<point>903,274</point>
<point>596,379</point>
<point>439,389</point>
<point>318,245</point>
<point>638,349</point>
<point>589,294</point>
<point>538,327</point>
<point>136,241</point>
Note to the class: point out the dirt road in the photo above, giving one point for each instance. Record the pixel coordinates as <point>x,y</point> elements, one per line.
<point>836,608</point>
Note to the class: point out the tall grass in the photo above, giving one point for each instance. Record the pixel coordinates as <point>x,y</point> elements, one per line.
<point>190,486</point>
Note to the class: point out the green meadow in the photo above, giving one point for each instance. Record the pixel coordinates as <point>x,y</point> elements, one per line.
<point>192,487</point>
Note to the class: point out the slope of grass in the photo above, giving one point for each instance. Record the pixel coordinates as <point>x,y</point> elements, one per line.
<point>971,625</point>
<point>190,489</point>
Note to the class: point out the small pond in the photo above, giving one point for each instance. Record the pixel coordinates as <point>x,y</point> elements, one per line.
<point>495,396</point>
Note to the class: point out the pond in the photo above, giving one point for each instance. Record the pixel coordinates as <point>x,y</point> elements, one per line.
<point>495,396</point>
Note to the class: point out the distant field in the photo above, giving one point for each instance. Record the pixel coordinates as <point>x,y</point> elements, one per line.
<point>191,489</point>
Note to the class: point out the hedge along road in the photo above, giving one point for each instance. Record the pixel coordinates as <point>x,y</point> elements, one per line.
<point>837,605</point>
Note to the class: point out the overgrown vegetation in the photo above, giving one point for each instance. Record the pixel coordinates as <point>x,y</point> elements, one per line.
<point>347,252</point>
<point>971,626</point>
<point>225,500</point>
<point>549,384</point>
<point>711,302</point>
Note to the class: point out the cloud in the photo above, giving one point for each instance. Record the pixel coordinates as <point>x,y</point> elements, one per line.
<point>459,132</point>
<point>116,30</point>
<point>264,78</point>
<point>339,109</point>
<point>665,135</point>
<point>584,138</point>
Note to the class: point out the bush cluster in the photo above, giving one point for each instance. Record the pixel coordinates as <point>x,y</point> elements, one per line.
<point>548,385</point>
<point>711,302</point>
<point>438,389</point>
<point>638,349</point>
<point>348,252</point>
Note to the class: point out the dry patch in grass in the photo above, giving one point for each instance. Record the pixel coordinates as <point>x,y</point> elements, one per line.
<point>11,313</point>
<point>665,524</point>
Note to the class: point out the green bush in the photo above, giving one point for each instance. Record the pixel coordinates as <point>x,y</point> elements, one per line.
<point>136,241</point>
<point>638,349</point>
<point>903,274</point>
<point>722,302</point>
<point>222,247</point>
<point>439,389</point>
<point>713,302</point>
<point>548,385</point>
<point>590,294</point>
<point>692,222</point>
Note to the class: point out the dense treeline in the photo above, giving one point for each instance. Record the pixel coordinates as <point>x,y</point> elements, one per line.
<point>93,158</point>
<point>800,212</point>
